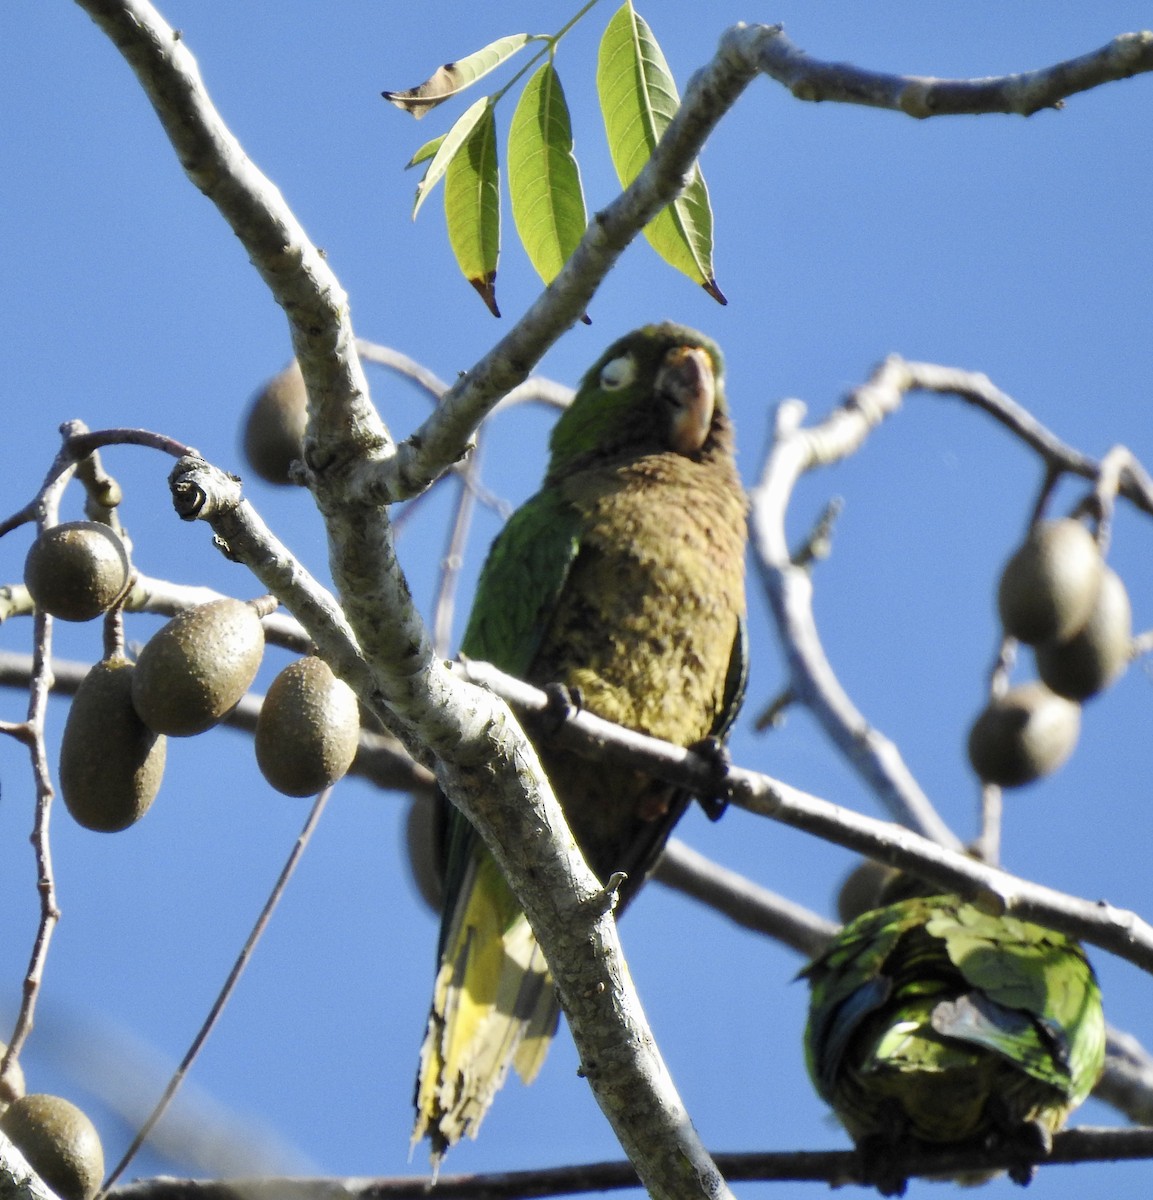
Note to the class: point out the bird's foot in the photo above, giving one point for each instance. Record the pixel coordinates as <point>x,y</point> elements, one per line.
<point>563,703</point>
<point>1027,1143</point>
<point>716,755</point>
<point>880,1165</point>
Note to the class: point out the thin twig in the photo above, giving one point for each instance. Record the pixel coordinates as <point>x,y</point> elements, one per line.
<point>835,1167</point>
<point>226,991</point>
<point>453,558</point>
<point>988,846</point>
<point>46,508</point>
<point>402,364</point>
<point>741,900</point>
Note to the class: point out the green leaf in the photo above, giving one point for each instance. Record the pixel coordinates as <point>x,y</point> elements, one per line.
<point>543,177</point>
<point>638,98</point>
<point>446,151</point>
<point>427,151</point>
<point>445,82</point>
<point>472,207</point>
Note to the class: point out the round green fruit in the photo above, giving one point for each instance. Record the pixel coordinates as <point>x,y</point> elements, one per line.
<point>422,833</point>
<point>111,763</point>
<point>1098,653</point>
<point>861,889</point>
<point>308,729</point>
<point>197,667</point>
<point>76,570</point>
<point>274,427</point>
<point>1021,736</point>
<point>1049,586</point>
<point>60,1143</point>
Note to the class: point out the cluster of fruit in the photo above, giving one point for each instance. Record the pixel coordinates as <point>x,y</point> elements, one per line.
<point>188,676</point>
<point>58,1141</point>
<point>1057,595</point>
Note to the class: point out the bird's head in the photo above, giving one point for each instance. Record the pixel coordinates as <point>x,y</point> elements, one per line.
<point>656,390</point>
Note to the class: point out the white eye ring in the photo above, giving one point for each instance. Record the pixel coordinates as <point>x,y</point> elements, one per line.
<point>618,372</point>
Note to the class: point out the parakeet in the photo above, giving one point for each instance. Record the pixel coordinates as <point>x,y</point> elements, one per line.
<point>934,1022</point>
<point>622,580</point>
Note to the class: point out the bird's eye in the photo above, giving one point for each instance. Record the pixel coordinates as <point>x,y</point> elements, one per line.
<point>618,372</point>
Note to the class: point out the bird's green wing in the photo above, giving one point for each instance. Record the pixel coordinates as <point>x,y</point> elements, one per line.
<point>736,683</point>
<point>493,1006</point>
<point>849,983</point>
<point>522,577</point>
<point>520,582</point>
<point>1041,1005</point>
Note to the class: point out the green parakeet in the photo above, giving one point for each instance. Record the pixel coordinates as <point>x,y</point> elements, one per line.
<point>934,1022</point>
<point>622,579</point>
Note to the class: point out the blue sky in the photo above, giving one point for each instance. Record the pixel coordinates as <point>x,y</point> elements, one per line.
<point>1021,248</point>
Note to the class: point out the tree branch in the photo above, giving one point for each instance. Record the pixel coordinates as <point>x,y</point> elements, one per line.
<point>797,449</point>
<point>343,423</point>
<point>836,1167</point>
<point>741,900</point>
<point>925,96</point>
<point>789,589</point>
<point>1121,932</point>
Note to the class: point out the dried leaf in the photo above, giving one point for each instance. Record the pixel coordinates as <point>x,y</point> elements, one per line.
<point>447,81</point>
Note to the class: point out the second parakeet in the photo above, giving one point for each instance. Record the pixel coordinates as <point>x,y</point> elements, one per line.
<point>622,580</point>
<point>933,1022</point>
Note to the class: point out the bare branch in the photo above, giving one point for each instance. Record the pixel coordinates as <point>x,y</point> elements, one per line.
<point>836,1167</point>
<point>226,990</point>
<point>343,422</point>
<point>789,588</point>
<point>741,900</point>
<point>45,509</point>
<point>535,389</point>
<point>1127,1083</point>
<point>1121,932</point>
<point>402,364</point>
<point>1126,476</point>
<point>797,449</point>
<point>925,96</point>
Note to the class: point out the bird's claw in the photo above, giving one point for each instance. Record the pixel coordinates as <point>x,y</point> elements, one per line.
<point>880,1167</point>
<point>1028,1143</point>
<point>562,704</point>
<point>716,755</point>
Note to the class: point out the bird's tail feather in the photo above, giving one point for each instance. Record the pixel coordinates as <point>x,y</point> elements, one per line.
<point>493,1007</point>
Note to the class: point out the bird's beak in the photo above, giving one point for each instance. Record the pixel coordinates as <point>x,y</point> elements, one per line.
<point>685,381</point>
